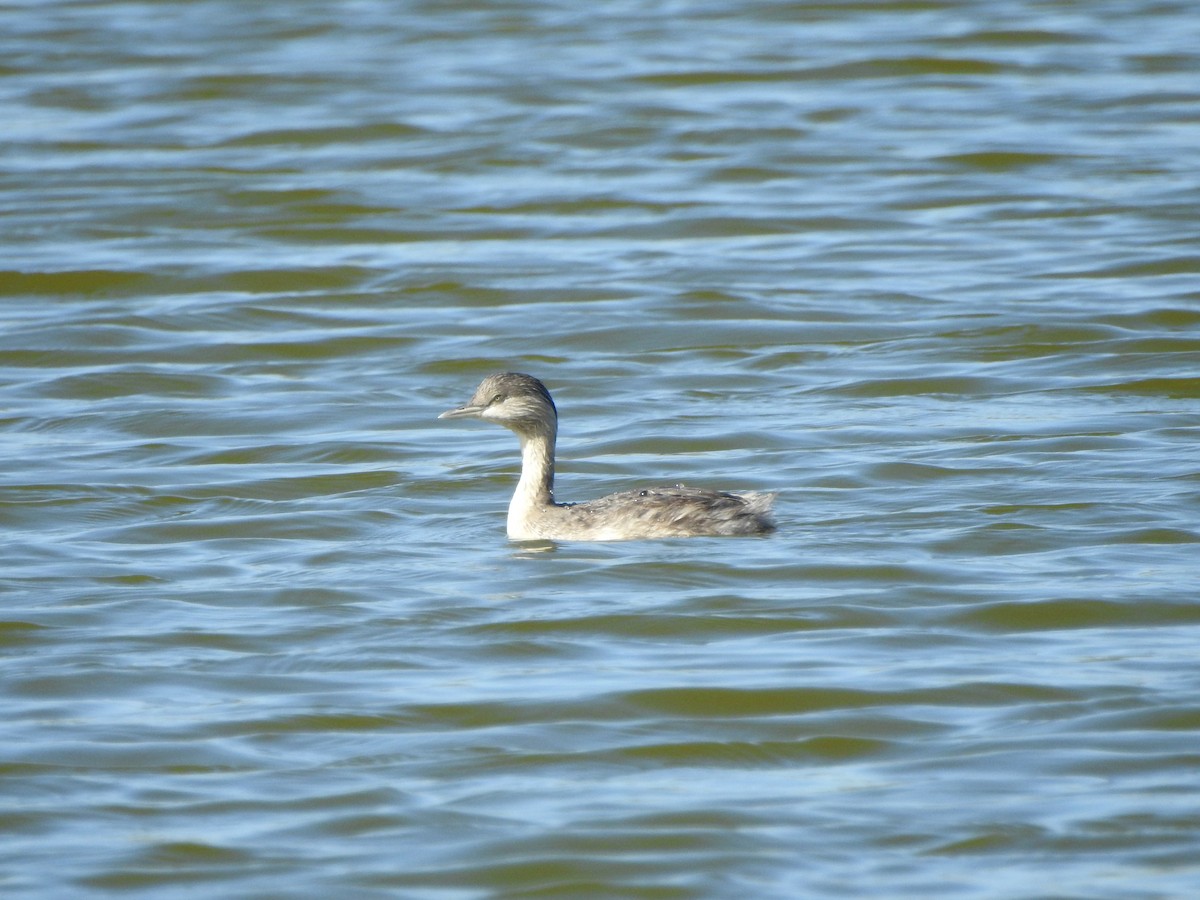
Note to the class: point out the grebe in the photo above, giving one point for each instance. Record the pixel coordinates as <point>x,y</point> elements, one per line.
<point>522,404</point>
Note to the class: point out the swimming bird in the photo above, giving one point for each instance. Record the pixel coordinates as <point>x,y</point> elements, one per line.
<point>522,404</point>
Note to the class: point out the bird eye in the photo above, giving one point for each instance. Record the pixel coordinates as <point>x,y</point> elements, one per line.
<point>495,399</point>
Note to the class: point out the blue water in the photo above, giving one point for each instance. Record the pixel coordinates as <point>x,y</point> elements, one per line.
<point>929,270</point>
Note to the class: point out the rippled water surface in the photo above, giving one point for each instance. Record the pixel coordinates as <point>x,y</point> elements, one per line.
<point>929,269</point>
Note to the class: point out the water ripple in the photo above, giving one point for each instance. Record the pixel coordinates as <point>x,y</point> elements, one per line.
<point>929,275</point>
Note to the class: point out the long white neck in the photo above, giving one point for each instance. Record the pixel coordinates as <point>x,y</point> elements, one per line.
<point>535,490</point>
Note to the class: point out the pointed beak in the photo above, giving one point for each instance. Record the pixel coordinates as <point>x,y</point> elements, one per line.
<point>463,412</point>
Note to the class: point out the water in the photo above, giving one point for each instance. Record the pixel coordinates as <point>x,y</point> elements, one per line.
<point>929,269</point>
